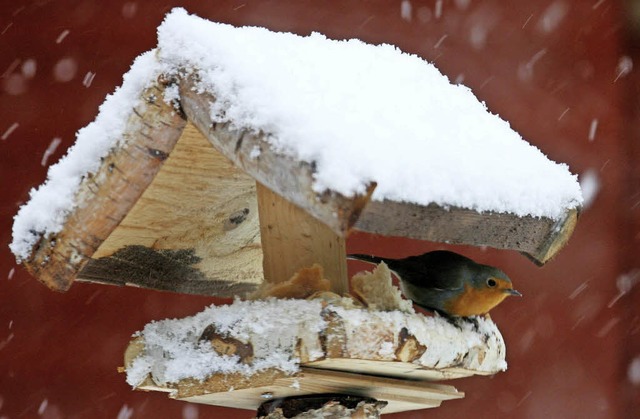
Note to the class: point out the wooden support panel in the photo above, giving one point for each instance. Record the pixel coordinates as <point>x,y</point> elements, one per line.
<point>194,230</point>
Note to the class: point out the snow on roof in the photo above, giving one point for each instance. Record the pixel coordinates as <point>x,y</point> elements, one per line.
<point>173,350</point>
<point>361,112</point>
<point>49,205</point>
<point>368,113</point>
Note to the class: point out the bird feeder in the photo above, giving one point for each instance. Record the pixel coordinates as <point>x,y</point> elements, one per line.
<point>192,180</point>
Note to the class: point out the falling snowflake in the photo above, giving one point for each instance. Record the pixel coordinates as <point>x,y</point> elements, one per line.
<point>65,69</point>
<point>28,68</point>
<point>590,185</point>
<point>593,128</point>
<point>552,16</point>
<point>53,145</point>
<point>125,412</point>
<point>9,131</point>
<point>405,10</point>
<point>625,65</point>
<point>62,35</point>
<point>88,79</point>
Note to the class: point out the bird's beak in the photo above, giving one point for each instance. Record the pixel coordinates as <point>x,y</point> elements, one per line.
<point>511,291</point>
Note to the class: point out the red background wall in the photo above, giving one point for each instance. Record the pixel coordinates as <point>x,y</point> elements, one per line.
<point>553,69</point>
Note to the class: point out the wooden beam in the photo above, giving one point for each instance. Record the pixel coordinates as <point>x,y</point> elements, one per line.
<point>292,239</point>
<point>106,196</point>
<point>539,238</point>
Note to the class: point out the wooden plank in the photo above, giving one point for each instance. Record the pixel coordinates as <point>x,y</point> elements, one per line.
<point>539,238</point>
<point>194,229</point>
<point>106,196</point>
<point>288,177</point>
<point>402,395</point>
<point>381,388</point>
<point>405,370</point>
<point>292,239</point>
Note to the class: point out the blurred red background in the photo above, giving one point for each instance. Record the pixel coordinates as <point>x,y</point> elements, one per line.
<point>561,72</point>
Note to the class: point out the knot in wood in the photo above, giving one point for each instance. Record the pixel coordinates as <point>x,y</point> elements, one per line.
<point>236,218</point>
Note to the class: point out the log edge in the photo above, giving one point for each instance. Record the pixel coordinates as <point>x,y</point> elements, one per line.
<point>103,198</point>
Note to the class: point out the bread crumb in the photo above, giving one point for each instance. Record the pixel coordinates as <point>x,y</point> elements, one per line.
<point>303,284</point>
<point>377,291</point>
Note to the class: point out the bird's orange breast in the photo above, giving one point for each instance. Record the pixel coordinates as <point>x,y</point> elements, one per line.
<point>474,302</point>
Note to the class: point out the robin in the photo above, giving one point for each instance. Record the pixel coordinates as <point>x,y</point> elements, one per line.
<point>448,283</point>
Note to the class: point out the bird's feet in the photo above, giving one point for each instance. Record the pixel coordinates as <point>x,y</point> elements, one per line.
<point>459,322</point>
<point>454,321</point>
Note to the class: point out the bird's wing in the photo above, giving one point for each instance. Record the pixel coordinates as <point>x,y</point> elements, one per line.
<point>366,258</point>
<point>435,270</point>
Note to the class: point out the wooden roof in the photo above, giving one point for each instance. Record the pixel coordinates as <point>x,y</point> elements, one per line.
<point>175,208</point>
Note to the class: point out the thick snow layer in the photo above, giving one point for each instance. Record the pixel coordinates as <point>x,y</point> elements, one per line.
<point>173,350</point>
<point>49,204</point>
<point>361,112</point>
<point>368,113</point>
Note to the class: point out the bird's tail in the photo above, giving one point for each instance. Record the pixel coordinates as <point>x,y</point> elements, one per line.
<point>366,258</point>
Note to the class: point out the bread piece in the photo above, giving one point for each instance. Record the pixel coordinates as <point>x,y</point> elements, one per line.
<point>306,282</point>
<point>376,290</point>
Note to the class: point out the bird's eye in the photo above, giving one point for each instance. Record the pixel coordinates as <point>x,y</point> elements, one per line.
<point>491,282</point>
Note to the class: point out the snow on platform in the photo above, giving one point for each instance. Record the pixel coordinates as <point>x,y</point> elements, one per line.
<point>174,349</point>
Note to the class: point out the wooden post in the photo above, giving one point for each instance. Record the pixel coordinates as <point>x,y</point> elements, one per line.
<point>293,239</point>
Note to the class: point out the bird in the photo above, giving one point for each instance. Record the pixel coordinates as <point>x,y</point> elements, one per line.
<point>448,283</point>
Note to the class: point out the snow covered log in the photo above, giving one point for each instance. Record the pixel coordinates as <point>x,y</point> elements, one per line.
<point>240,354</point>
<point>356,136</point>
